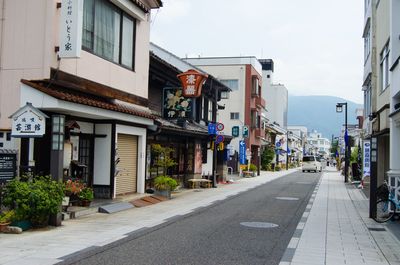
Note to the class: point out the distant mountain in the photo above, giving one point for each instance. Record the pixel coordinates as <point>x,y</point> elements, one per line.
<point>319,113</point>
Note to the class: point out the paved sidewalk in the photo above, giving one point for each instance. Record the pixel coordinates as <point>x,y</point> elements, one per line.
<point>335,229</point>
<point>49,245</point>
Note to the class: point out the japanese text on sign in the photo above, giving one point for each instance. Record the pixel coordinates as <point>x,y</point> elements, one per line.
<point>71,28</point>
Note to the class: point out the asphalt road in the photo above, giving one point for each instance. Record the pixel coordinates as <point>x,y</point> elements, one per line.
<point>216,234</point>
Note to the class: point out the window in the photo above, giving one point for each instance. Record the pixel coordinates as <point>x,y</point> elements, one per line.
<point>8,136</point>
<point>367,43</point>
<point>108,32</point>
<point>1,134</point>
<point>367,100</point>
<point>384,67</point>
<point>234,115</point>
<point>254,86</point>
<point>231,83</point>
<point>224,95</point>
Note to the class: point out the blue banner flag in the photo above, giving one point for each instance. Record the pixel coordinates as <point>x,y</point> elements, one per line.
<point>346,138</point>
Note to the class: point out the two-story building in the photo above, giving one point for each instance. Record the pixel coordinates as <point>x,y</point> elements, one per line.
<point>85,64</point>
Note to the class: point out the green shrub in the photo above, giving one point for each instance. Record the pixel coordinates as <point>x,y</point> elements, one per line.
<point>34,201</point>
<point>86,194</point>
<point>7,216</point>
<point>277,168</point>
<point>165,183</point>
<point>251,168</point>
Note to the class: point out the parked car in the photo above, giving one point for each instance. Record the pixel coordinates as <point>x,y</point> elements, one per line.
<point>311,163</point>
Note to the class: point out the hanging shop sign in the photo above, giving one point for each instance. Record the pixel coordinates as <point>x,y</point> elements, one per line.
<point>245,131</point>
<point>192,81</point>
<point>175,105</point>
<point>28,121</point>
<point>71,21</point>
<point>235,131</point>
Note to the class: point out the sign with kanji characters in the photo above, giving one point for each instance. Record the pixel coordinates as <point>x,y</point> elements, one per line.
<point>28,121</point>
<point>366,159</point>
<point>235,131</point>
<point>8,167</point>
<point>71,20</point>
<point>176,106</point>
<point>192,81</point>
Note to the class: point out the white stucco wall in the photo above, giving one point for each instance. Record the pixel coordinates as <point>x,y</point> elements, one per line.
<point>236,101</point>
<point>102,155</point>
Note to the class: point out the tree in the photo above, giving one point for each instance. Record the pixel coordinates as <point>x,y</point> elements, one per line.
<point>162,157</point>
<point>267,156</point>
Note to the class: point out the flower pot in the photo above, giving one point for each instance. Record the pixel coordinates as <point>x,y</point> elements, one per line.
<point>85,203</point>
<point>3,226</point>
<point>164,193</point>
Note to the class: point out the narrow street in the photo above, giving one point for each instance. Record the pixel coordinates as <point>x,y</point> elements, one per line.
<point>232,231</point>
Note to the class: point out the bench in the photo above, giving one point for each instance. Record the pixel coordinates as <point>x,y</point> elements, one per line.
<point>198,182</point>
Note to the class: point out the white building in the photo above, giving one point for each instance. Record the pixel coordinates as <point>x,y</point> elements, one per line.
<point>318,145</point>
<point>394,67</point>
<point>276,95</point>
<point>377,85</point>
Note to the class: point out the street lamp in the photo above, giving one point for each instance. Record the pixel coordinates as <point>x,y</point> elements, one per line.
<point>339,108</point>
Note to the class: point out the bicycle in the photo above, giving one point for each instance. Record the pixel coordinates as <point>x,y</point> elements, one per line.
<point>386,204</point>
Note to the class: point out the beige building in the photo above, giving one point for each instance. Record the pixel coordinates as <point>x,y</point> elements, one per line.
<point>377,83</point>
<point>99,96</point>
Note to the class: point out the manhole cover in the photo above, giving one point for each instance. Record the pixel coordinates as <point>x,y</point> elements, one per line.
<point>287,198</point>
<point>259,224</point>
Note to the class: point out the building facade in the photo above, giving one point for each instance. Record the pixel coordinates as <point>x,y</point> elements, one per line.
<point>394,58</point>
<point>97,100</point>
<point>377,81</point>
<point>243,106</point>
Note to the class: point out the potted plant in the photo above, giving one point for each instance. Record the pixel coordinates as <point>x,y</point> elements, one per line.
<point>72,188</point>
<point>164,185</point>
<point>86,196</point>
<point>5,219</point>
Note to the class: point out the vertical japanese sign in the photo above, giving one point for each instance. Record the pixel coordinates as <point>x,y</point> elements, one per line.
<point>71,28</point>
<point>366,159</point>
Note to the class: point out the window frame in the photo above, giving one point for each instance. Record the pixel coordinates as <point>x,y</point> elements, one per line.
<point>234,115</point>
<point>384,67</point>
<point>121,13</point>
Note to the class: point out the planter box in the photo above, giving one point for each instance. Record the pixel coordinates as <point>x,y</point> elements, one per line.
<point>164,193</point>
<point>24,225</point>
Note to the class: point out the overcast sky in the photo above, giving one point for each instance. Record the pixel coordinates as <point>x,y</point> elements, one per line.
<point>316,44</point>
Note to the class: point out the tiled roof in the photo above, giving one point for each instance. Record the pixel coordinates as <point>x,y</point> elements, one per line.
<point>80,97</point>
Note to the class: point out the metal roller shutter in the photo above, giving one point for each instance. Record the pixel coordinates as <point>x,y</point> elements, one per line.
<point>127,152</point>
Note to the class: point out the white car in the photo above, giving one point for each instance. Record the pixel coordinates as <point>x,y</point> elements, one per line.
<point>311,163</point>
